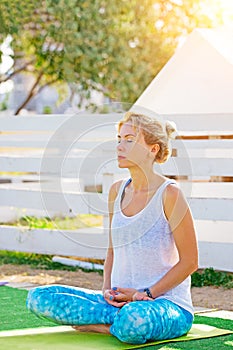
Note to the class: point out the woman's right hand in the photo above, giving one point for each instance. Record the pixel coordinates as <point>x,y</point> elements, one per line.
<point>109,297</point>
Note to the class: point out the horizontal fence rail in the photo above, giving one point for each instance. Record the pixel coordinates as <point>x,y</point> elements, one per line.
<point>73,166</point>
<point>96,204</point>
<point>221,123</point>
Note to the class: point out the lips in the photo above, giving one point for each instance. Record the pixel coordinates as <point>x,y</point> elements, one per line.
<point>120,157</point>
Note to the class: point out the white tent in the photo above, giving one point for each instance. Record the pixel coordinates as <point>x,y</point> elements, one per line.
<point>197,79</point>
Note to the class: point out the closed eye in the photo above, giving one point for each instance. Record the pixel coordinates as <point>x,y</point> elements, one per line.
<point>129,138</point>
<point>126,140</point>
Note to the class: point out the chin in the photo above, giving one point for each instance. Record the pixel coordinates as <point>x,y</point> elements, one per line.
<point>122,164</point>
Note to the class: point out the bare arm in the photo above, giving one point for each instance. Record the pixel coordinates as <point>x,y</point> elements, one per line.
<point>108,267</point>
<point>180,219</point>
<point>109,257</point>
<point>108,293</point>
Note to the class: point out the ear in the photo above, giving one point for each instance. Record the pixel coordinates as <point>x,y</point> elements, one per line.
<point>155,149</point>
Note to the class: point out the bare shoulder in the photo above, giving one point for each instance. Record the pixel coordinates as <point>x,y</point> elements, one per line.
<point>172,192</point>
<point>113,192</point>
<point>114,189</point>
<point>174,200</point>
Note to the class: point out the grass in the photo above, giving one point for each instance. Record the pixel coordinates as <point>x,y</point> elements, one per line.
<point>62,223</point>
<point>14,315</point>
<point>39,261</point>
<point>210,277</point>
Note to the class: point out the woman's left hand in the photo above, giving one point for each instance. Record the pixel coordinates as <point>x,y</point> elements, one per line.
<point>124,294</point>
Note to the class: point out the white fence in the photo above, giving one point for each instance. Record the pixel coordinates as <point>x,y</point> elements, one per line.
<point>62,159</point>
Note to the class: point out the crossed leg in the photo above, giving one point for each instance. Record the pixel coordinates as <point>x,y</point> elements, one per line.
<point>86,310</point>
<point>70,305</point>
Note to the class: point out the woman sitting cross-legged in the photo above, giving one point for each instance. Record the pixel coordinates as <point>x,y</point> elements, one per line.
<point>152,250</point>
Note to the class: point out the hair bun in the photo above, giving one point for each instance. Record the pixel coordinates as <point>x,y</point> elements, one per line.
<point>170,129</point>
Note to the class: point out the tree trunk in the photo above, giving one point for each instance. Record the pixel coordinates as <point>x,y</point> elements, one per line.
<point>32,93</point>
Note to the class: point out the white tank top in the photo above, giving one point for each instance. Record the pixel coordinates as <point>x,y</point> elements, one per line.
<point>144,248</point>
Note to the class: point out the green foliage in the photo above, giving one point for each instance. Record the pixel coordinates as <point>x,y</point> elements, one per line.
<point>34,260</point>
<point>47,110</point>
<point>116,47</point>
<point>66,223</point>
<point>14,14</point>
<point>3,106</point>
<point>37,261</point>
<point>4,103</point>
<point>210,277</point>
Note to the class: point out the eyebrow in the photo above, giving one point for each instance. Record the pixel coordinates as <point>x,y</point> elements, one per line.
<point>119,136</point>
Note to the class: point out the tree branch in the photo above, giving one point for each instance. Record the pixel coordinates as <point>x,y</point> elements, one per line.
<point>31,93</point>
<point>16,71</point>
<point>47,84</point>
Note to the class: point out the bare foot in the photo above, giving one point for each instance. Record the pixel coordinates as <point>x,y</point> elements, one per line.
<point>96,328</point>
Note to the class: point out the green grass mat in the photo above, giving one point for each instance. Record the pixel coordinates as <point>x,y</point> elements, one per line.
<point>70,340</point>
<point>14,315</point>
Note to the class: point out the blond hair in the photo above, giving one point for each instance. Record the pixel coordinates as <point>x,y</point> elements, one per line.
<point>154,132</point>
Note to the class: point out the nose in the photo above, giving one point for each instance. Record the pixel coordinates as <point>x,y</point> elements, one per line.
<point>120,146</point>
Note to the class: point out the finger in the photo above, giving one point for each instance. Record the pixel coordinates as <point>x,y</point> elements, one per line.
<point>116,303</point>
<point>112,300</point>
<point>123,303</point>
<point>119,304</point>
<point>111,292</point>
<point>136,296</point>
<point>147,298</point>
<point>140,297</point>
<point>107,295</point>
<point>120,298</point>
<point>109,298</point>
<point>120,290</point>
<point>117,289</point>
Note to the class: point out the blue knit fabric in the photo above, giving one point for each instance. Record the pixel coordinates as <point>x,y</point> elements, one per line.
<point>135,323</point>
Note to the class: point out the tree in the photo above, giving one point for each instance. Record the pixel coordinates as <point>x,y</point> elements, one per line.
<point>35,50</point>
<point>116,47</point>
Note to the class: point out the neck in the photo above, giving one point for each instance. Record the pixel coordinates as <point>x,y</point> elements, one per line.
<point>143,180</point>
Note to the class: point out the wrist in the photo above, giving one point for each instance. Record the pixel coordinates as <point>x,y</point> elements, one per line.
<point>104,289</point>
<point>148,293</point>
